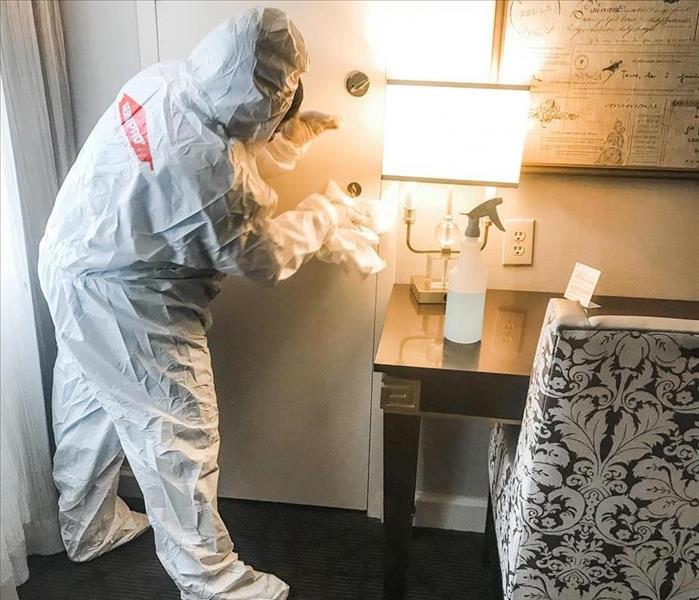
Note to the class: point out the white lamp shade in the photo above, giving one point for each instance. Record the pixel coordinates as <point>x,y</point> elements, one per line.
<point>470,134</point>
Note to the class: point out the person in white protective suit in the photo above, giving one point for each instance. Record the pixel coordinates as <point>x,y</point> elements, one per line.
<point>164,198</point>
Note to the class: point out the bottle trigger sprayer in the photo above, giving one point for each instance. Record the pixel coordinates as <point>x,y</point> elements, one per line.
<point>467,280</point>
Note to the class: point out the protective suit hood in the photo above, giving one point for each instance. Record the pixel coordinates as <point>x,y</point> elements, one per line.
<point>248,69</point>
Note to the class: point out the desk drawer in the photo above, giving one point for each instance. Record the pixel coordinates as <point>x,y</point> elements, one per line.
<point>400,395</point>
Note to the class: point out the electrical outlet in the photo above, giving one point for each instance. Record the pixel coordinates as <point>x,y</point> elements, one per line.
<point>518,242</point>
<point>509,329</point>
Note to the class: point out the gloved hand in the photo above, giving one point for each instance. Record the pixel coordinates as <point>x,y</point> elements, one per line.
<point>378,216</point>
<point>353,239</point>
<point>349,212</point>
<point>353,245</point>
<point>305,126</point>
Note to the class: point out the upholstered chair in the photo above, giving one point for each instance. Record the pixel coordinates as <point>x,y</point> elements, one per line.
<point>597,497</point>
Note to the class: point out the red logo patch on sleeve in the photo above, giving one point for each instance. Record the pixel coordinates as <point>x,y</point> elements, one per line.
<point>133,121</point>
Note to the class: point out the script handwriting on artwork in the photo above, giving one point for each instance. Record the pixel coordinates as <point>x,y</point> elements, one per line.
<point>598,21</point>
<point>692,133</point>
<point>688,78</point>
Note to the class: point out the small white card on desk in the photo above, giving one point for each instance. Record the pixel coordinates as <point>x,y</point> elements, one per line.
<point>582,285</point>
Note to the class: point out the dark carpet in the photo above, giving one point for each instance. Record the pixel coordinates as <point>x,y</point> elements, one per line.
<point>322,553</point>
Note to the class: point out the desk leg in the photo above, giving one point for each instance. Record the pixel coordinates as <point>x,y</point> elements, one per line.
<point>401,435</point>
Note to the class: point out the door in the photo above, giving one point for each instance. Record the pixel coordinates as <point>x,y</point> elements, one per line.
<point>293,363</point>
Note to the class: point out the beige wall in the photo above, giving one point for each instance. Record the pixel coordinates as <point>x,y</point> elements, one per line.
<point>642,233</point>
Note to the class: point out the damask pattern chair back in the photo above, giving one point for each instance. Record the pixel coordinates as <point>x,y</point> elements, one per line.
<point>600,499</point>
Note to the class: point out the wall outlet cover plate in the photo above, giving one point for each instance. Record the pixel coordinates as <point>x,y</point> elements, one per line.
<point>518,242</point>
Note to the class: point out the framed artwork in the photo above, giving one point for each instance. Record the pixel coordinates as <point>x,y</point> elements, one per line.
<point>614,84</point>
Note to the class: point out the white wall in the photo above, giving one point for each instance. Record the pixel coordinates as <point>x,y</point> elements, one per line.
<point>102,46</point>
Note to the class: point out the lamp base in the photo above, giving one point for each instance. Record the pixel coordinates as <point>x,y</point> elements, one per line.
<point>425,293</point>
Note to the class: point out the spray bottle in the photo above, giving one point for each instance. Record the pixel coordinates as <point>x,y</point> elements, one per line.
<point>467,280</point>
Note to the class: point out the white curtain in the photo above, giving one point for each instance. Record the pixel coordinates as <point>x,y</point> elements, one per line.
<point>28,514</point>
<point>37,149</point>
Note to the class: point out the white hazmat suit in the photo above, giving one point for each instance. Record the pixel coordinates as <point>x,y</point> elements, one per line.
<point>164,198</point>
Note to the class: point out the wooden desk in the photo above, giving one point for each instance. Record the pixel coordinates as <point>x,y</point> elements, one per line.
<point>425,375</point>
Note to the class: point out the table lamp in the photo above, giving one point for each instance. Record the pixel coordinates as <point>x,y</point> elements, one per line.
<point>456,134</point>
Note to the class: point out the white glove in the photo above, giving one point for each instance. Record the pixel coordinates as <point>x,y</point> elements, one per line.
<point>349,212</point>
<point>380,216</point>
<point>305,126</point>
<point>354,246</point>
<point>353,239</point>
